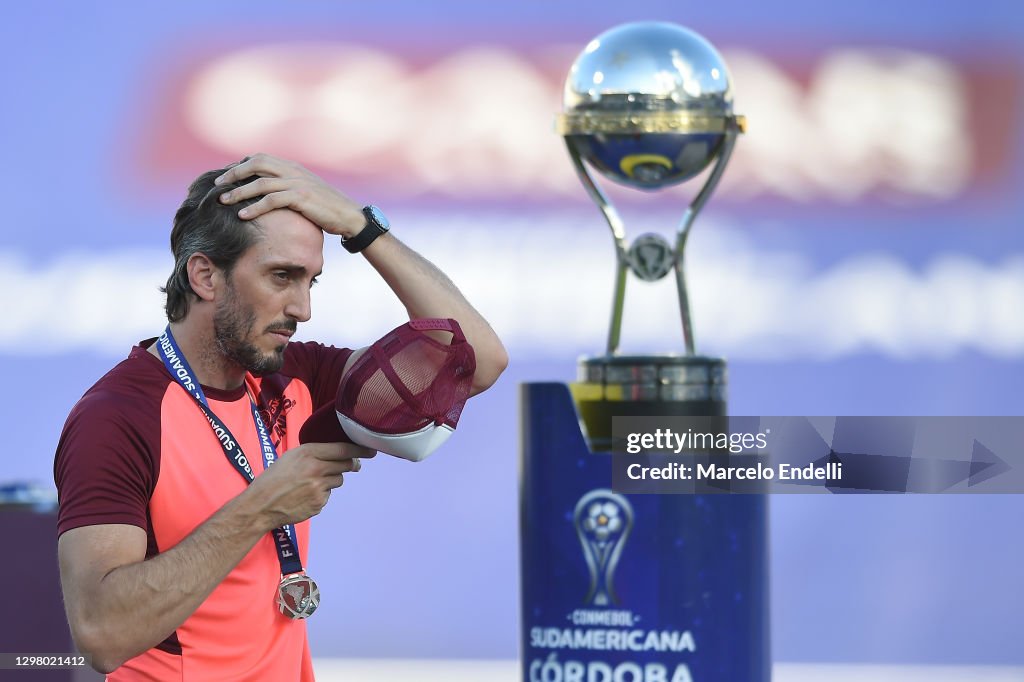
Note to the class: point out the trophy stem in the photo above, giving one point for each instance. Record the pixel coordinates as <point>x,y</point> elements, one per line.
<point>683,231</point>
<point>618,302</point>
<point>684,306</point>
<point>618,230</point>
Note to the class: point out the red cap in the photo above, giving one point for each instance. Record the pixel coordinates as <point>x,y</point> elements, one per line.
<point>403,383</point>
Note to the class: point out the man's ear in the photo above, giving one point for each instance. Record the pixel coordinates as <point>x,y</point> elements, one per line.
<point>203,276</point>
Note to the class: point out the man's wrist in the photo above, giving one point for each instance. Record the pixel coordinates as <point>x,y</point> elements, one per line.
<point>249,514</point>
<point>375,225</point>
<point>350,230</point>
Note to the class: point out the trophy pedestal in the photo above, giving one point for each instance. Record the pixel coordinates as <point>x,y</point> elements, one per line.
<point>634,587</point>
<point>646,386</point>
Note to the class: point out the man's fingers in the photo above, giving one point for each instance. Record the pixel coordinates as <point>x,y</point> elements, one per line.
<point>240,171</point>
<point>267,204</point>
<point>326,451</point>
<point>260,164</point>
<point>343,466</point>
<point>256,188</point>
<point>339,451</point>
<point>257,164</point>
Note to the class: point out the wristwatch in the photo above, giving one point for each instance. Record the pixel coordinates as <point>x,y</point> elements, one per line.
<point>376,225</point>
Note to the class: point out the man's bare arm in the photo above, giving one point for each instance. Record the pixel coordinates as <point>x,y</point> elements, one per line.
<point>422,288</point>
<point>425,291</point>
<point>119,605</point>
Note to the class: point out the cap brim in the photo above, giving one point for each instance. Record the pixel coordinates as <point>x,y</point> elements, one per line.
<point>413,446</point>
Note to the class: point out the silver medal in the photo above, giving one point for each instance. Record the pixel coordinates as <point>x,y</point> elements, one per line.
<point>298,596</point>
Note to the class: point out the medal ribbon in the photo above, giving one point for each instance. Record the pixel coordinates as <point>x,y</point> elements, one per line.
<point>284,537</point>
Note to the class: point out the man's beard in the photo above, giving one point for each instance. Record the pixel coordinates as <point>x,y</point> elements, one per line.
<point>232,326</point>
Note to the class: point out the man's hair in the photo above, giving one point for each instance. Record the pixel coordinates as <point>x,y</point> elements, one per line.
<point>205,225</point>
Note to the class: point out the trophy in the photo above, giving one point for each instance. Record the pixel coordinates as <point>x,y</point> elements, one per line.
<point>620,586</point>
<point>648,105</point>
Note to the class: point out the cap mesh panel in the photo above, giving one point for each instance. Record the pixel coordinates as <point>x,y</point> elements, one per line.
<point>438,378</point>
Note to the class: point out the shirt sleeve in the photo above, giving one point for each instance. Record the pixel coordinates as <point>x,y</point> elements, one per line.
<point>107,461</point>
<point>319,367</point>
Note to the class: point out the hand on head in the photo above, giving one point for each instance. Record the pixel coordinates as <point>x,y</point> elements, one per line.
<point>286,184</point>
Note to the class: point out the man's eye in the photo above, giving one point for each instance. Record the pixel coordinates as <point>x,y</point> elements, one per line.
<point>282,275</point>
<point>313,281</point>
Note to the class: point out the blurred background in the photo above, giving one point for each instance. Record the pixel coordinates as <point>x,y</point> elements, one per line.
<point>863,256</point>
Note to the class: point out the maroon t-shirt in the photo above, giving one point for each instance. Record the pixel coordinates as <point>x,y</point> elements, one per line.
<point>136,449</point>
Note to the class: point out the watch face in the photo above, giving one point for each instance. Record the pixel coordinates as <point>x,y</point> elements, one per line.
<point>379,217</point>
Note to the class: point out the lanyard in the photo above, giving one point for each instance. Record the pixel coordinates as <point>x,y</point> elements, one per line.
<point>284,537</point>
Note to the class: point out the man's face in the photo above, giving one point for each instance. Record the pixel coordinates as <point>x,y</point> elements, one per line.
<point>267,293</point>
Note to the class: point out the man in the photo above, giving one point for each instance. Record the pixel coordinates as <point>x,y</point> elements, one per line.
<point>170,558</point>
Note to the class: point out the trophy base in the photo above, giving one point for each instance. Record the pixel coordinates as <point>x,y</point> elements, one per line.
<point>698,562</point>
<point>645,386</point>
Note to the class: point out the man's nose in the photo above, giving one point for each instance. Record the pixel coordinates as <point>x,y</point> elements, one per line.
<point>298,307</point>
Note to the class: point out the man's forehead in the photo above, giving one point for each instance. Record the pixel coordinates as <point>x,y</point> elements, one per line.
<point>286,219</point>
<point>289,240</point>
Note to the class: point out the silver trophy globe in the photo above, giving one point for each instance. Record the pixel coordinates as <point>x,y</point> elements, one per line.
<point>648,105</point>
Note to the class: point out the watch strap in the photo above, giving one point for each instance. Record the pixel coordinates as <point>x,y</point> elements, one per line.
<point>367,235</point>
